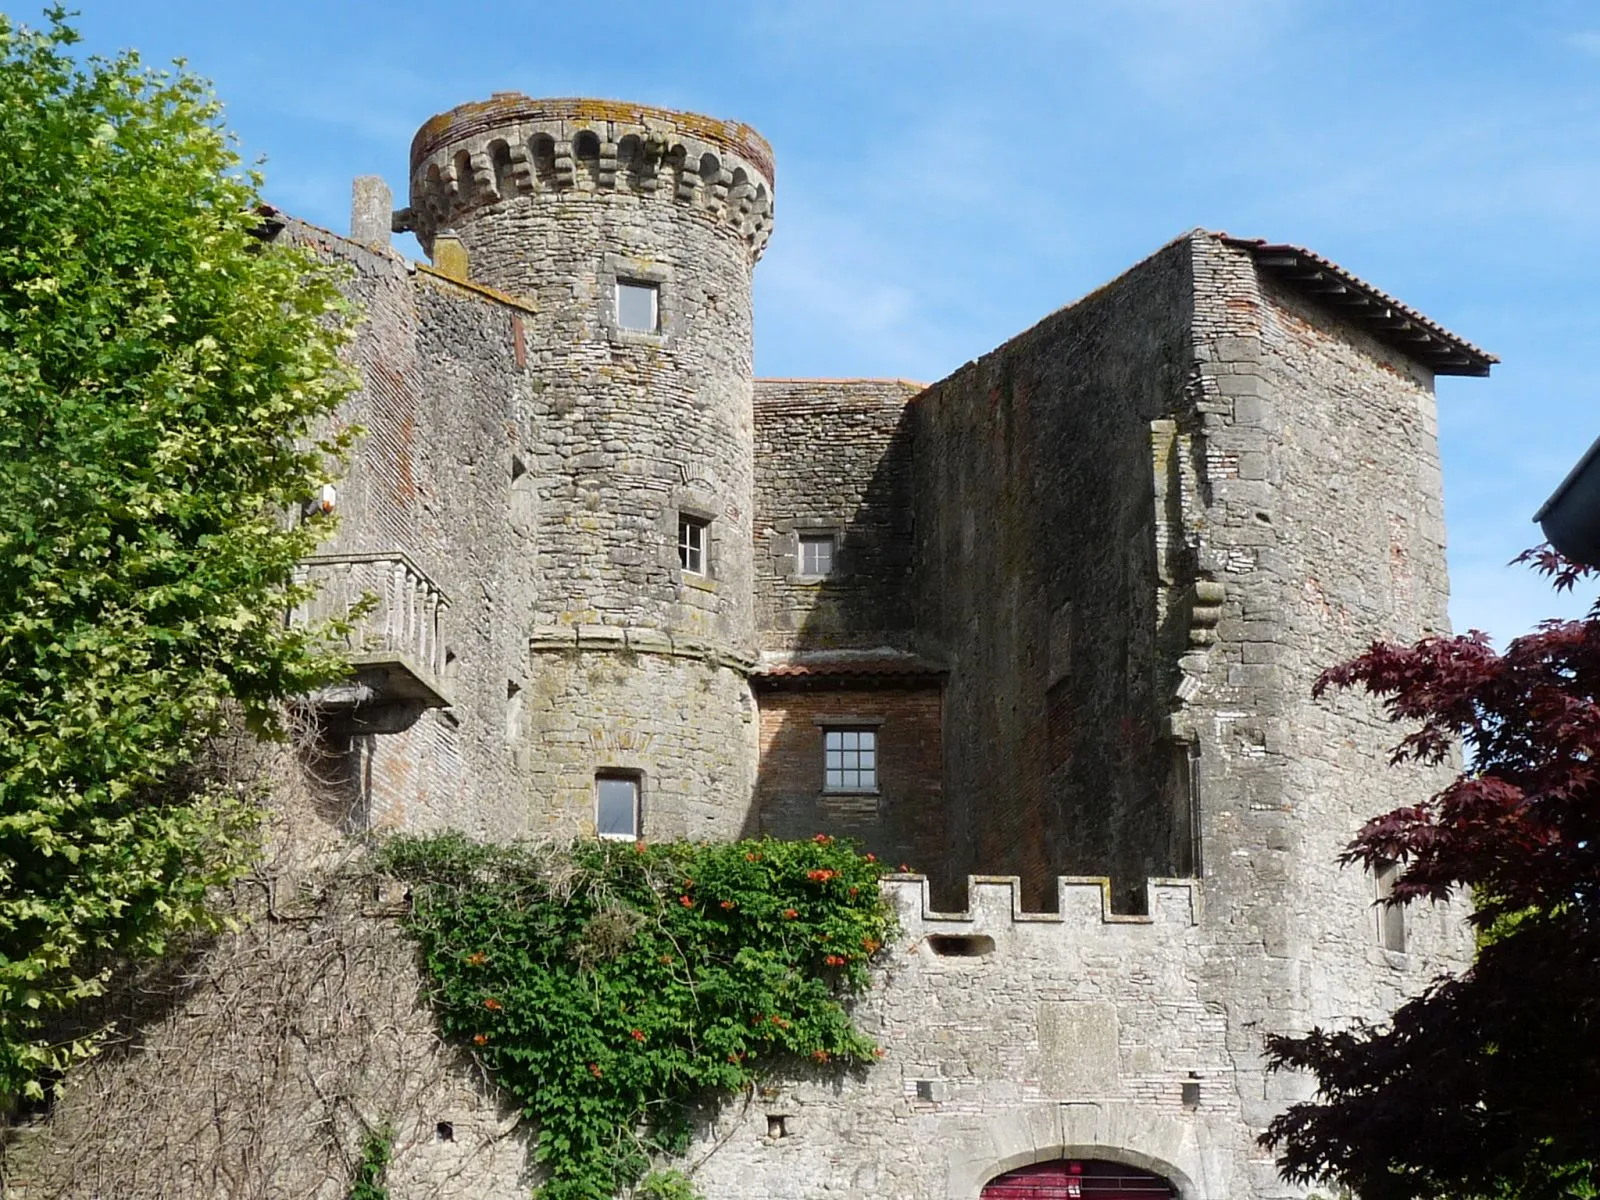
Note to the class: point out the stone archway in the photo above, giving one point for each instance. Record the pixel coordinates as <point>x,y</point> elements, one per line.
<point>1079,1179</point>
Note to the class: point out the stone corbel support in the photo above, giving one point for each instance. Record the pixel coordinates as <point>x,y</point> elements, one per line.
<point>566,169</point>
<point>1205,611</point>
<point>521,168</point>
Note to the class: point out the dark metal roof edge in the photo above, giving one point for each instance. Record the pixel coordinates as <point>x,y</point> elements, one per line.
<point>1455,355</point>
<point>1582,465</point>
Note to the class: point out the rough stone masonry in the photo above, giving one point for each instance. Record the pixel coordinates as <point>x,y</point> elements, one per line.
<point>1045,631</point>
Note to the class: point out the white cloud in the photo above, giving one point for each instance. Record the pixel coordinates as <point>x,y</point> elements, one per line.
<point>1587,40</point>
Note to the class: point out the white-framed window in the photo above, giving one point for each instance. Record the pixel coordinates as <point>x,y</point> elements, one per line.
<point>692,543</point>
<point>616,805</point>
<point>638,306</point>
<point>849,759</point>
<point>816,554</point>
<point>1391,917</point>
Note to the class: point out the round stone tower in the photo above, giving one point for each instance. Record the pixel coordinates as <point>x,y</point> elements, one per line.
<point>632,231</point>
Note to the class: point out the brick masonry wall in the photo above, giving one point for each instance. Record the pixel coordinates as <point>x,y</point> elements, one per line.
<point>834,457</point>
<point>903,821</point>
<point>434,480</point>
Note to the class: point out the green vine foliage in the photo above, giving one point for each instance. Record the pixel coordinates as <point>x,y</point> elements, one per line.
<point>161,372</point>
<point>372,1170</point>
<point>612,988</point>
<point>666,1185</point>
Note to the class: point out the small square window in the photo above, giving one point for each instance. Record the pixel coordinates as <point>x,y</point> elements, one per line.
<point>850,760</point>
<point>616,806</point>
<point>816,554</point>
<point>692,544</point>
<point>638,306</point>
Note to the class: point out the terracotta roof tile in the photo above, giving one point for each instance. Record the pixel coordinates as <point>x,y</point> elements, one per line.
<point>1386,318</point>
<point>840,666</point>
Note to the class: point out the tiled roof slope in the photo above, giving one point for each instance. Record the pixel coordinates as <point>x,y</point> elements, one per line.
<point>1388,320</point>
<point>847,664</point>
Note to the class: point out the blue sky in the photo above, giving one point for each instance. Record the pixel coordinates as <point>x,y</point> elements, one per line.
<point>950,172</point>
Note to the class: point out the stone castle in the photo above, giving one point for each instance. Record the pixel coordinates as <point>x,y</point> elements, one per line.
<point>1045,631</point>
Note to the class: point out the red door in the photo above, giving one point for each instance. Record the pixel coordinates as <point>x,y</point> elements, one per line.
<point>1079,1179</point>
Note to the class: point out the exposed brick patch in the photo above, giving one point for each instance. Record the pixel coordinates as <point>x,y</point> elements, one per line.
<point>903,823</point>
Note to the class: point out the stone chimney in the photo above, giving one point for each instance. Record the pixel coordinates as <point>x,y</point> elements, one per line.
<point>371,210</point>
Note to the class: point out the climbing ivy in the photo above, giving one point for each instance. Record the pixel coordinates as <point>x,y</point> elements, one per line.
<point>613,987</point>
<point>376,1152</point>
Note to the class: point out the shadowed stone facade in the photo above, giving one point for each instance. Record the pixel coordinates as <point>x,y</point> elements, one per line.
<point>1077,593</point>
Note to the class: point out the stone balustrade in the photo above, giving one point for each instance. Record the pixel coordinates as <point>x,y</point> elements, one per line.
<point>395,639</point>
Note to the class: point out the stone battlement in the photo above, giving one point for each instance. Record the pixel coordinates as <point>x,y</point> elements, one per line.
<point>994,904</point>
<point>480,154</point>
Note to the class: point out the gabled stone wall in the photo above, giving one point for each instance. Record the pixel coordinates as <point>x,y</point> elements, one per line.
<point>1036,581</point>
<point>834,458</point>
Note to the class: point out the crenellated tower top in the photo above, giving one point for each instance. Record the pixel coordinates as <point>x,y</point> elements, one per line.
<point>482,153</point>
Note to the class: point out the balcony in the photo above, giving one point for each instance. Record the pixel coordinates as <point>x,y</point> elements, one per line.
<point>396,644</point>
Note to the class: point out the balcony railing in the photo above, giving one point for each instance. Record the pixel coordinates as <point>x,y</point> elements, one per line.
<point>396,645</point>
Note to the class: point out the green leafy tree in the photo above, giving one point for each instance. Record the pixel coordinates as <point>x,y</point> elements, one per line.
<point>161,370</point>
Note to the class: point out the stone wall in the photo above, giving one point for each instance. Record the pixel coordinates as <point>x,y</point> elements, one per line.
<point>557,202</point>
<point>618,436</point>
<point>1010,1038</point>
<point>253,1064</point>
<point>680,722</point>
<point>1313,508</point>
<point>1036,581</point>
<point>834,458</point>
<point>446,405</point>
<point>534,466</point>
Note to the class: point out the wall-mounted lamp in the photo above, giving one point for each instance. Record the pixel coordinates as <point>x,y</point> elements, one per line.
<point>323,502</point>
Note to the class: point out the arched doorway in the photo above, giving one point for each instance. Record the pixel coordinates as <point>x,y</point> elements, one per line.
<point>1079,1179</point>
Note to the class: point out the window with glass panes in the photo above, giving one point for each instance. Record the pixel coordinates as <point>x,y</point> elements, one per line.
<point>616,806</point>
<point>850,760</point>
<point>692,545</point>
<point>816,554</point>
<point>638,306</point>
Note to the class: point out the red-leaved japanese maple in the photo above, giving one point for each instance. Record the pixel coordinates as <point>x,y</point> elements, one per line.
<point>1488,1084</point>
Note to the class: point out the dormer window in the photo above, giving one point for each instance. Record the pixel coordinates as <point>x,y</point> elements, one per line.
<point>638,306</point>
